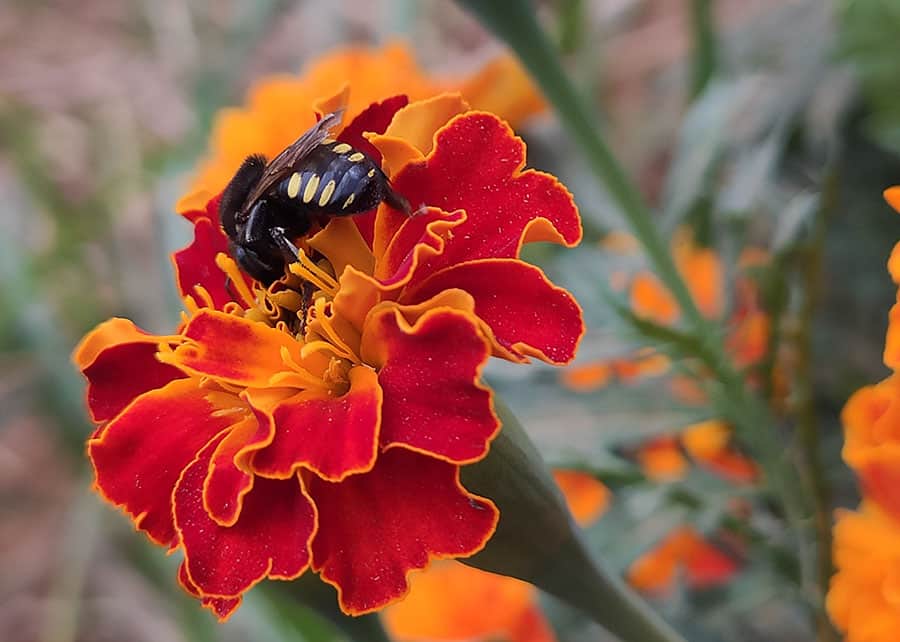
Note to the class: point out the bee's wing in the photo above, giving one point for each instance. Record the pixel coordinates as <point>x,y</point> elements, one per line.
<point>287,161</point>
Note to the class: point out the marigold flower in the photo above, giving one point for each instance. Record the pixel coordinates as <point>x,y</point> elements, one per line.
<point>864,596</point>
<point>447,602</point>
<point>277,425</point>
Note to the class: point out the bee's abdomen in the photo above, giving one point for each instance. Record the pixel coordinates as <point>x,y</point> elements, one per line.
<point>335,179</point>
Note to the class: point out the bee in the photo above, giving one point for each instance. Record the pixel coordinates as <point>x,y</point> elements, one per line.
<point>268,204</point>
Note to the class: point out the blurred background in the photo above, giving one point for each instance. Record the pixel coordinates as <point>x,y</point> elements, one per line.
<point>106,107</point>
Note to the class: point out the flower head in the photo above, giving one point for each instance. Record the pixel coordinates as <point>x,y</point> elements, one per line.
<point>277,425</point>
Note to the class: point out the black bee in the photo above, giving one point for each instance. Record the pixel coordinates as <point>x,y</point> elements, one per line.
<point>267,204</point>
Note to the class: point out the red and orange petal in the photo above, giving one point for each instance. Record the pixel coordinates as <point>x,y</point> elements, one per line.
<point>333,437</point>
<point>118,359</point>
<point>429,372</point>
<point>864,595</point>
<point>684,549</point>
<point>402,508</point>
<point>271,537</point>
<point>233,349</point>
<point>139,456</point>
<point>451,602</point>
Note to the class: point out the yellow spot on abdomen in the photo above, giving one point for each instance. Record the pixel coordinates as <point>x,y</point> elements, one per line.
<point>371,173</point>
<point>348,201</point>
<point>343,148</point>
<point>294,185</point>
<point>358,156</point>
<point>311,188</point>
<point>326,193</point>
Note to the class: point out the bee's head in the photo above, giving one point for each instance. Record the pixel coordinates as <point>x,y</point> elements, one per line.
<point>237,191</point>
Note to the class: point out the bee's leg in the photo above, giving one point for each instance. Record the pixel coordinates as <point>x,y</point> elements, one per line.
<point>396,199</point>
<point>289,251</point>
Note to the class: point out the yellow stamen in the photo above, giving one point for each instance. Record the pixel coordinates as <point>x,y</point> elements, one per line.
<point>231,270</point>
<point>191,305</point>
<point>313,347</point>
<point>324,322</point>
<point>309,271</point>
<point>305,375</point>
<point>204,296</point>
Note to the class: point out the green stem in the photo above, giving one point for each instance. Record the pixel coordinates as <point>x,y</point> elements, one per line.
<point>538,542</point>
<point>704,55</point>
<point>807,421</point>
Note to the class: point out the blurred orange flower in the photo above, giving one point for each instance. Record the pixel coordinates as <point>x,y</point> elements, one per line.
<point>703,273</point>
<point>278,106</point>
<point>454,602</point>
<point>708,443</point>
<point>685,550</point>
<point>864,595</point>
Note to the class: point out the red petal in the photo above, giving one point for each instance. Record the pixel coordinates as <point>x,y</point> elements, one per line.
<point>141,453</point>
<point>333,437</point>
<point>527,314</point>
<point>707,566</point>
<point>476,166</point>
<point>376,527</point>
<point>222,607</point>
<point>195,265</point>
<point>271,537</point>
<point>375,118</point>
<point>429,372</point>
<point>417,240</point>
<point>119,361</point>
<point>210,211</point>
<point>228,479</point>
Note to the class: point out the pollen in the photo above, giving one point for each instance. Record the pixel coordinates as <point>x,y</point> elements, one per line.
<point>311,186</point>
<point>348,201</point>
<point>358,156</point>
<point>293,187</point>
<point>342,148</point>
<point>327,191</point>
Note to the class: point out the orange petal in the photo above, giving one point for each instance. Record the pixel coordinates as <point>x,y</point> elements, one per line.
<point>447,602</point>
<point>892,196</point>
<point>504,88</point>
<point>410,135</point>
<point>233,349</point>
